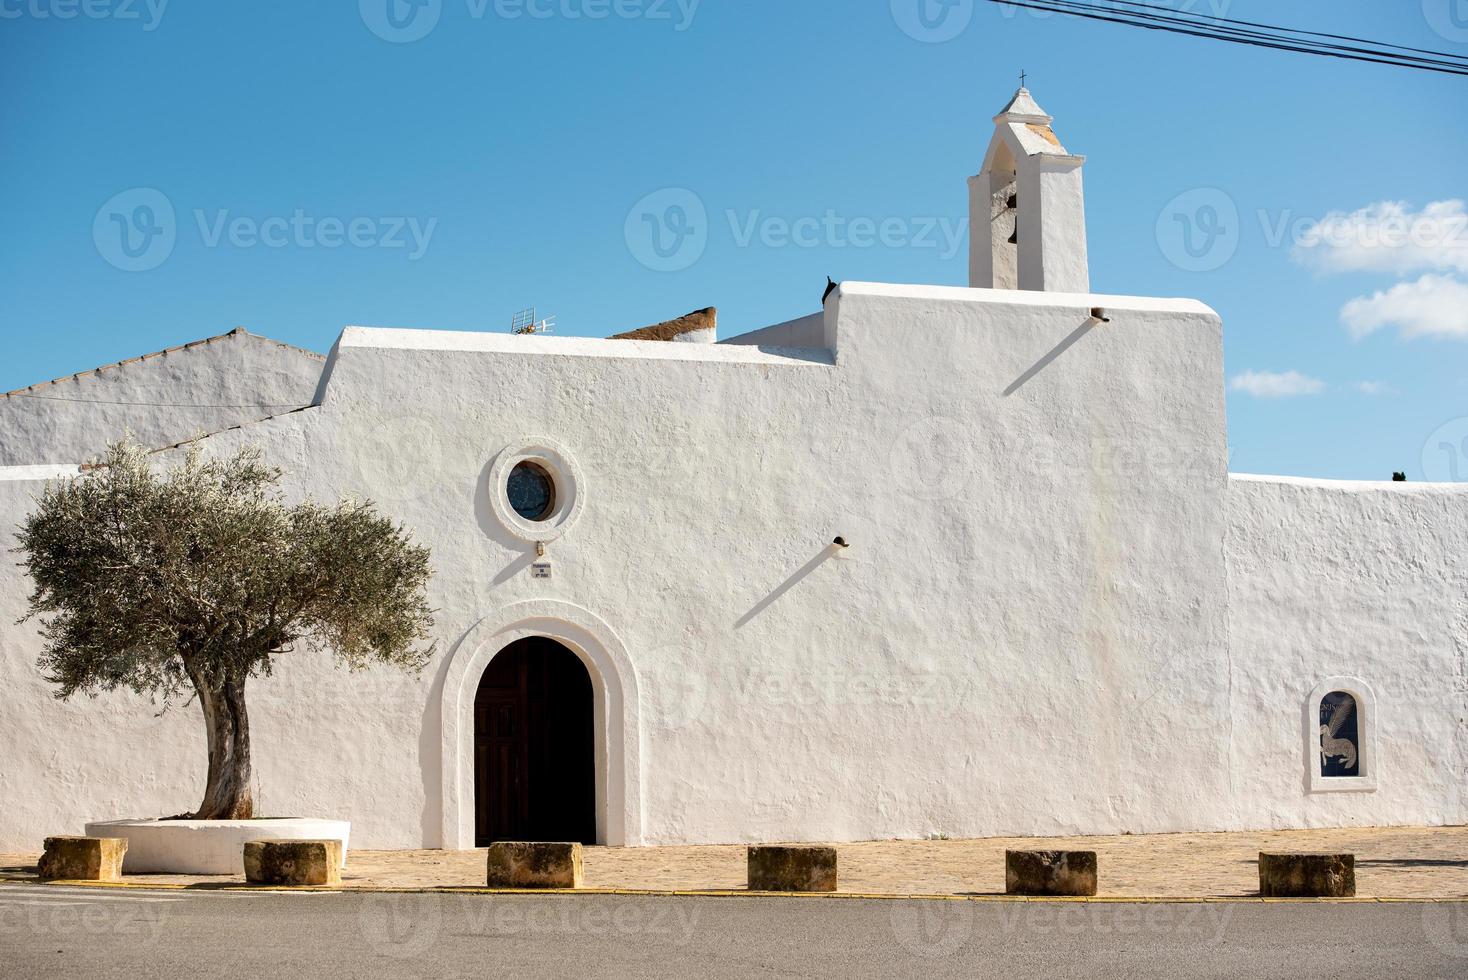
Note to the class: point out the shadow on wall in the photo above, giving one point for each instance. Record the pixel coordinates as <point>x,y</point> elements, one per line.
<point>492,528</point>
<point>827,552</point>
<point>430,754</point>
<point>1054,352</point>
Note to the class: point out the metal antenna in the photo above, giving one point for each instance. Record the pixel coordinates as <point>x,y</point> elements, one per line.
<point>525,322</point>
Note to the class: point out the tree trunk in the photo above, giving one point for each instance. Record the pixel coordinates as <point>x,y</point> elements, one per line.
<point>227,794</point>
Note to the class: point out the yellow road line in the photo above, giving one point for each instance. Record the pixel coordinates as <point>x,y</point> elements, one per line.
<point>728,893</point>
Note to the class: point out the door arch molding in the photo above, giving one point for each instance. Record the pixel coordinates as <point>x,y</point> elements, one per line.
<point>617,728</point>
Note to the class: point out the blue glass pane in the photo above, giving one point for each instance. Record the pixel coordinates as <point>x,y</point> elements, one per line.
<point>1339,737</point>
<point>531,491</point>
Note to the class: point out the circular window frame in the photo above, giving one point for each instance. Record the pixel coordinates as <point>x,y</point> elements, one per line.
<point>566,488</point>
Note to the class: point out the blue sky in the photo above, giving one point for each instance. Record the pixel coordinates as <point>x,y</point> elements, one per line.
<point>326,166</point>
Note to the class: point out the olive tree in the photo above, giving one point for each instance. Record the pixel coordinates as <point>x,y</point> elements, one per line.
<point>191,580</point>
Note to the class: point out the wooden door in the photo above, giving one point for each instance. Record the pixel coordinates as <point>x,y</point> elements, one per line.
<point>534,768</point>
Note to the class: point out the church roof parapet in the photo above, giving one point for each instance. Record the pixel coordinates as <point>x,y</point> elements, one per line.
<point>237,332</point>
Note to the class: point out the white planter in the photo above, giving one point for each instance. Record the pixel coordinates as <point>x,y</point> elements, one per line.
<point>208,847</point>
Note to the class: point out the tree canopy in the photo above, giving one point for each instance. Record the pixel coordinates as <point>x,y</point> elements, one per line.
<point>202,576</point>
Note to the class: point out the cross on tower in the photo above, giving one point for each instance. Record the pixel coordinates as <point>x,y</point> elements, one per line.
<point>1021,78</point>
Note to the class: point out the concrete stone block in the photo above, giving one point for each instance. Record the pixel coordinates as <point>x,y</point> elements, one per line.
<point>1050,872</point>
<point>1307,875</point>
<point>293,862</point>
<point>792,869</point>
<point>82,859</point>
<point>534,864</point>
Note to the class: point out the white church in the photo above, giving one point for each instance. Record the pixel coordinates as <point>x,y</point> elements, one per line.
<point>929,560</point>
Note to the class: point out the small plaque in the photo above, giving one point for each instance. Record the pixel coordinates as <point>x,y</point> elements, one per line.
<point>540,569</point>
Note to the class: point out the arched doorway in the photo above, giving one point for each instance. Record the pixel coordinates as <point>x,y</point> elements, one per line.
<point>534,746</point>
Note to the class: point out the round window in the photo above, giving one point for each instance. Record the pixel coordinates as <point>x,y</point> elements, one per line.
<point>532,490</point>
<point>535,489</point>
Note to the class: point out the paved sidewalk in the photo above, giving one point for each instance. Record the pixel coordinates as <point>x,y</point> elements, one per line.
<point>1399,862</point>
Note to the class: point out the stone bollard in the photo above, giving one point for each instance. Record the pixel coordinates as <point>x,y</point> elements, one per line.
<point>1050,872</point>
<point>791,869</point>
<point>82,859</point>
<point>533,864</point>
<point>1307,875</point>
<point>292,863</point>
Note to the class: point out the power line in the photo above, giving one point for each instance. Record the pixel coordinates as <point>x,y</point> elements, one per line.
<point>1223,29</point>
<point>1291,30</point>
<point>1251,33</point>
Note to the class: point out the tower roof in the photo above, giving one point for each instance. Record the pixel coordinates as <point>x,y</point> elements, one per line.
<point>1022,107</point>
<point>1029,128</point>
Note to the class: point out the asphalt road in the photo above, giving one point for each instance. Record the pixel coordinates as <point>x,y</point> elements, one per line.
<point>62,932</point>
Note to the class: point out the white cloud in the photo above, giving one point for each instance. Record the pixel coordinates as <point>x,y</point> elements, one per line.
<point>1388,237</point>
<point>1374,388</point>
<point>1276,384</point>
<point>1433,306</point>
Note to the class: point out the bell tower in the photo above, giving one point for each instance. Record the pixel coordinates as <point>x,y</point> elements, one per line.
<point>1027,213</point>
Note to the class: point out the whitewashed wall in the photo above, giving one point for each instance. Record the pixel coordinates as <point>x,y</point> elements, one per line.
<point>1337,579</point>
<point>161,399</point>
<point>1028,634</point>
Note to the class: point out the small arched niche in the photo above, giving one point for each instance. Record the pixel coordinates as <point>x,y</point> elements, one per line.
<point>1004,218</point>
<point>1340,719</point>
